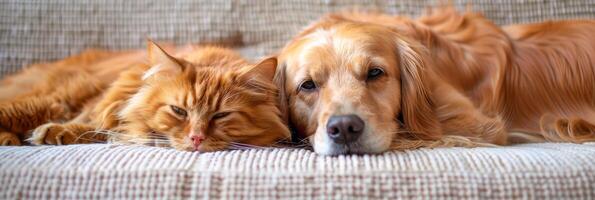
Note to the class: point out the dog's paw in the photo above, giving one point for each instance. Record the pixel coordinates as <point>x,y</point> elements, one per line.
<point>574,130</point>
<point>52,133</point>
<point>9,139</point>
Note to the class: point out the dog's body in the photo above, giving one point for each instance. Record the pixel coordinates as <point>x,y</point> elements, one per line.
<point>350,76</point>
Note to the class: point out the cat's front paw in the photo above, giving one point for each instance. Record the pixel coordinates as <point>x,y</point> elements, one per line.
<point>9,139</point>
<point>52,133</point>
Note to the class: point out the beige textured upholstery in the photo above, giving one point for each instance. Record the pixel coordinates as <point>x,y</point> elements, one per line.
<point>536,171</point>
<point>43,30</point>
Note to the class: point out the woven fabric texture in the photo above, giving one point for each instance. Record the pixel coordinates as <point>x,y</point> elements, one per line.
<point>534,171</point>
<point>41,30</point>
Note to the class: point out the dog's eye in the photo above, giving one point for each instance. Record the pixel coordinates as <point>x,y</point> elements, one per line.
<point>374,73</point>
<point>221,115</point>
<point>179,111</point>
<point>308,85</point>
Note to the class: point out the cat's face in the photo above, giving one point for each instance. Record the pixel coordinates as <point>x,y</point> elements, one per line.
<point>206,108</point>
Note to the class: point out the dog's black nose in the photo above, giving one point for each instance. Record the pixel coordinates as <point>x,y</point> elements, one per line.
<point>345,129</point>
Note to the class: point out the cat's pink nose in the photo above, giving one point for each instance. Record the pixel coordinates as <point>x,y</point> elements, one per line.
<point>197,139</point>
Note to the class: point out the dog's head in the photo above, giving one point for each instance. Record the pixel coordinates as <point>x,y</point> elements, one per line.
<point>346,85</point>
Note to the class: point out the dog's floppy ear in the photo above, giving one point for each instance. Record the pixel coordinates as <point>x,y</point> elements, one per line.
<point>279,81</point>
<point>283,101</point>
<point>416,103</point>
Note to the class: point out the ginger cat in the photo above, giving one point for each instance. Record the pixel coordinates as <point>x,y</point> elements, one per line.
<point>210,99</point>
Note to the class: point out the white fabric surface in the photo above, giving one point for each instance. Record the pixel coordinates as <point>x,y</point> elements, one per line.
<point>531,171</point>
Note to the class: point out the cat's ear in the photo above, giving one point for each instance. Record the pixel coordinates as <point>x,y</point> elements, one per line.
<point>161,62</point>
<point>264,69</point>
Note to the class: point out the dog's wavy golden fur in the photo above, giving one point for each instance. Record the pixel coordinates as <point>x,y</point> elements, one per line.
<point>450,78</point>
<point>209,99</point>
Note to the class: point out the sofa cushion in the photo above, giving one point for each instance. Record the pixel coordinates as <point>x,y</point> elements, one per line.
<point>531,171</point>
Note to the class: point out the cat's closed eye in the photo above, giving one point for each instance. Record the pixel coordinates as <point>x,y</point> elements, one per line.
<point>178,111</point>
<point>221,115</point>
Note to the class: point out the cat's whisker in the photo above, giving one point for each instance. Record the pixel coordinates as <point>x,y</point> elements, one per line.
<point>104,132</point>
<point>156,141</point>
<point>238,143</point>
<point>149,139</point>
<point>90,140</point>
<point>157,138</point>
<point>246,145</point>
<point>80,137</point>
<point>237,148</point>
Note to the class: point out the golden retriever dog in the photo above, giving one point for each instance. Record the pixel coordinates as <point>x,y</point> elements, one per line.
<point>359,82</point>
